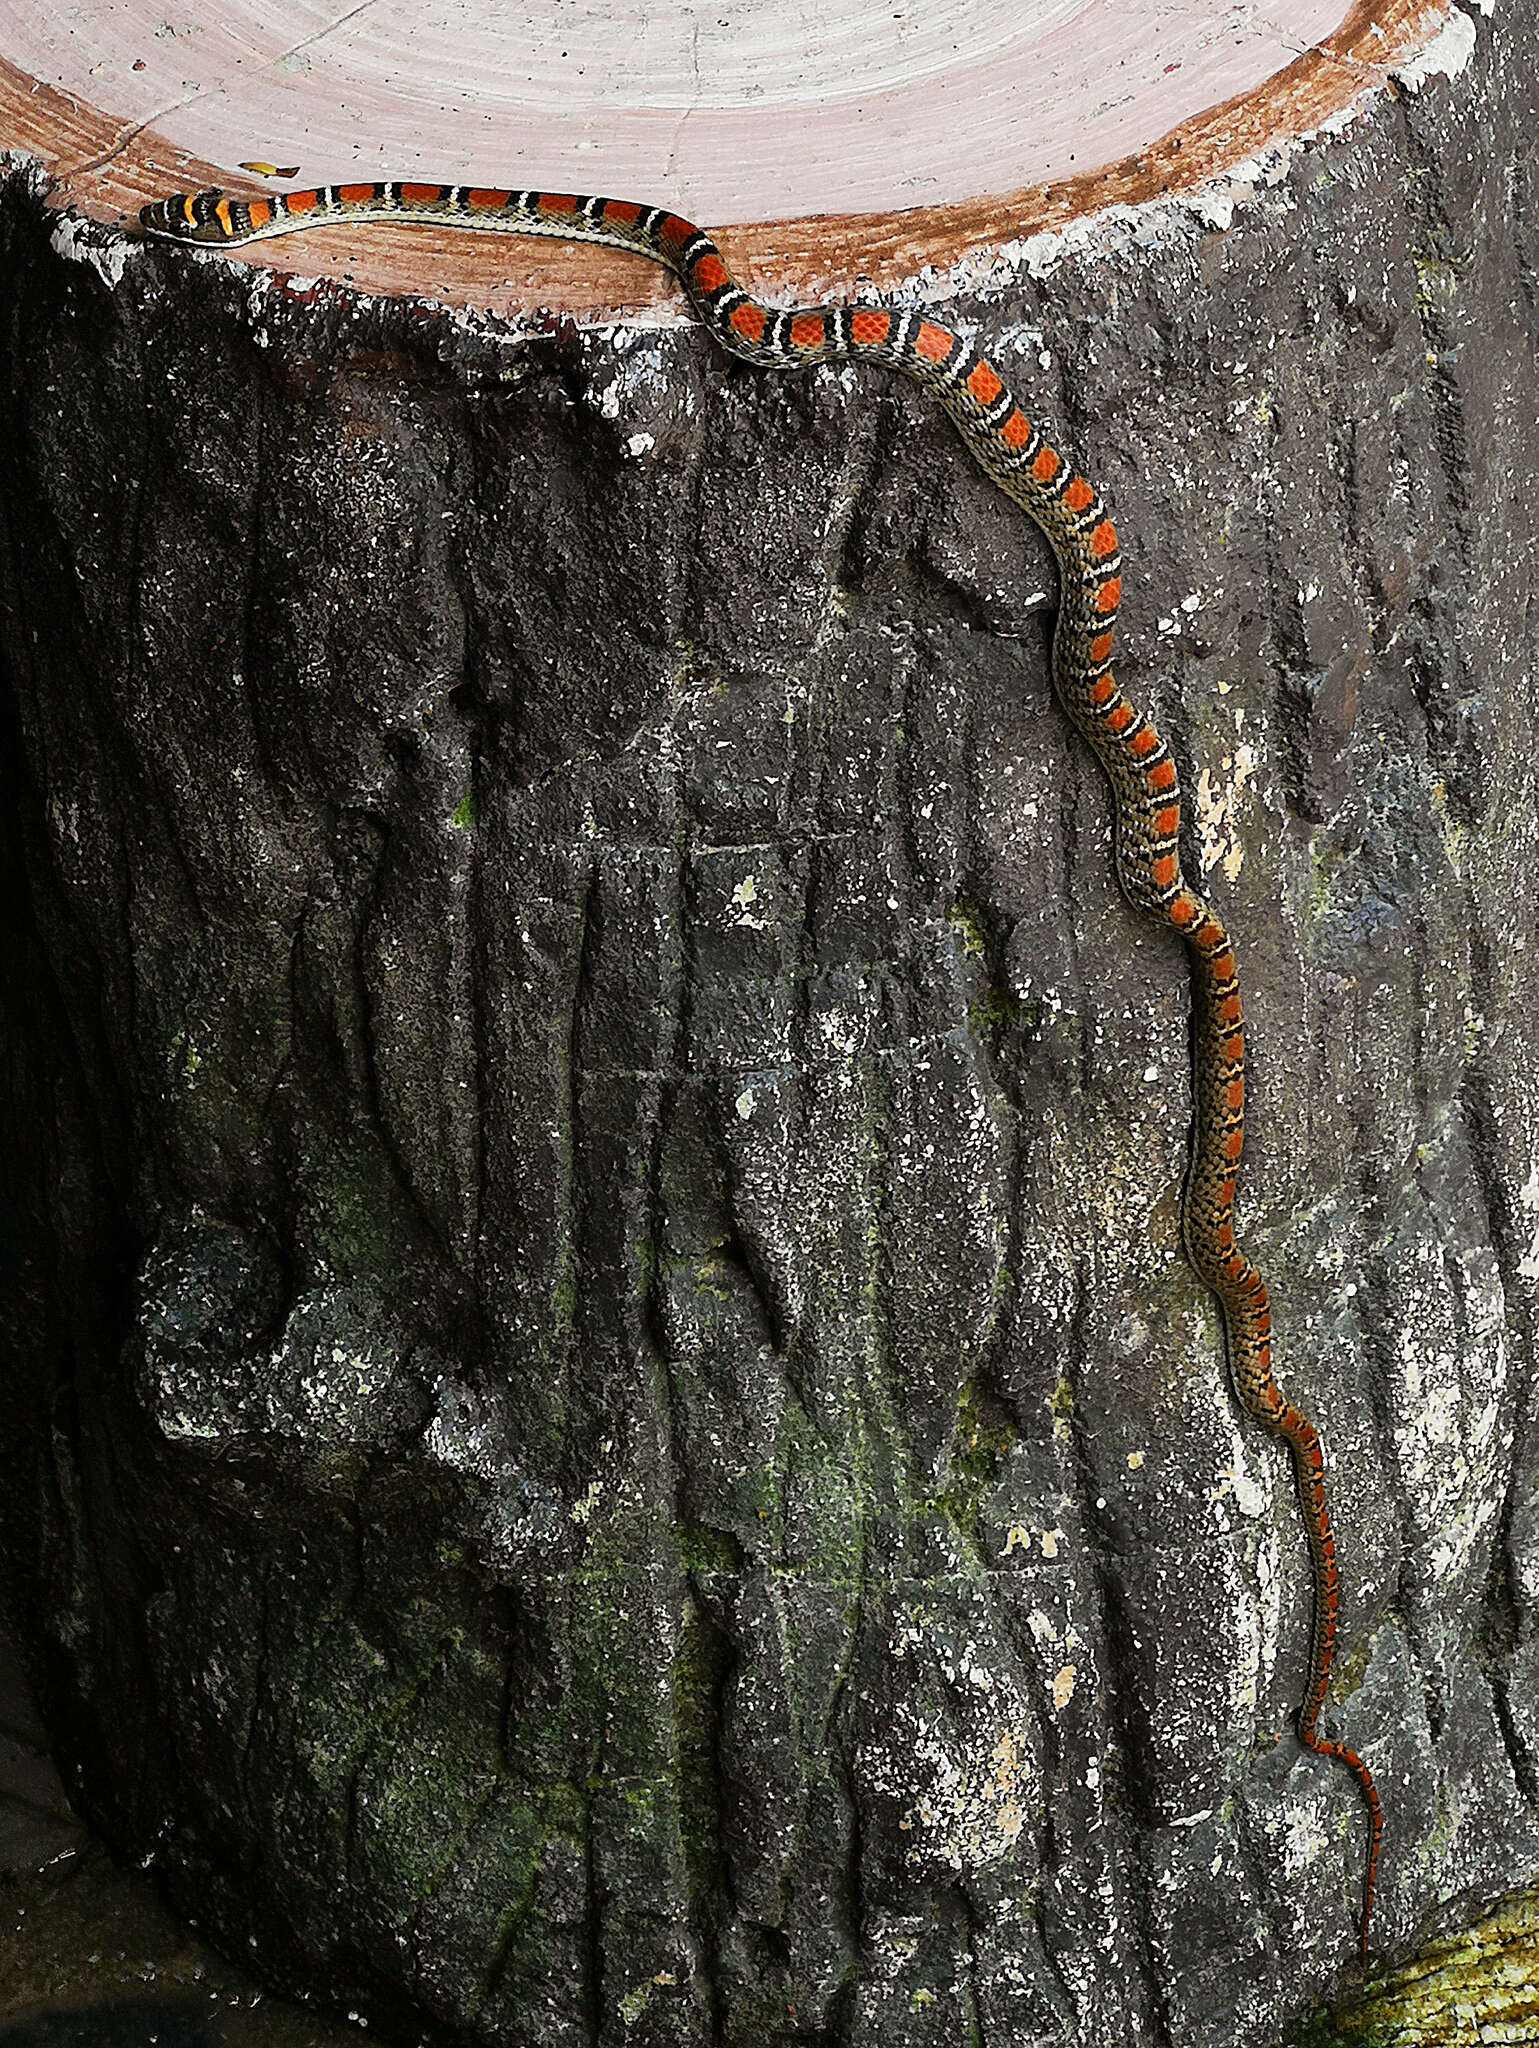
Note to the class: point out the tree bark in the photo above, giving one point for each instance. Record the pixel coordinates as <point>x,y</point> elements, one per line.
<point>612,1438</point>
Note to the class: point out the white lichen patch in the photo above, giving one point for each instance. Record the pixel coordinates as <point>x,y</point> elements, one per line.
<point>1219,844</point>
<point>468,1432</point>
<point>961,1768</point>
<point>631,381</point>
<point>839,1032</point>
<point>1304,1837</point>
<point>635,2003</point>
<point>471,1434</point>
<point>1451,1396</point>
<point>1236,1482</point>
<point>969,1812</point>
<point>744,905</point>
<point>1171,624</point>
<point>1528,1195</point>
<point>84,241</point>
<point>337,1379</point>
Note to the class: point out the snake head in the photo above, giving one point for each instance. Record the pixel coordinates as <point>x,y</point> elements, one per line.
<point>188,217</point>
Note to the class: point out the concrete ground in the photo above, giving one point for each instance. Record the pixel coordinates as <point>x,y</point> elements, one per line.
<point>89,1955</point>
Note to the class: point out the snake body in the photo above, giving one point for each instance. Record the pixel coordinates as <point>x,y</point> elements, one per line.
<point>1015,455</point>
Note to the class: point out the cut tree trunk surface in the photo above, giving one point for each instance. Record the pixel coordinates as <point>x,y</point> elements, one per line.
<point>950,126</point>
<point>611,1438</point>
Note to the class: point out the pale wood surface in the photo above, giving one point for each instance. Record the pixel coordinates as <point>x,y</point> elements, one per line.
<point>846,140</point>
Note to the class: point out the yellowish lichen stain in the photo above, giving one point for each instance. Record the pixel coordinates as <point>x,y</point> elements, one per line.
<point>1478,1986</point>
<point>1215,812</point>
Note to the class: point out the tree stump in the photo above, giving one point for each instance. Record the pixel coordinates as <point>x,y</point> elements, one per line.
<point>611,1437</point>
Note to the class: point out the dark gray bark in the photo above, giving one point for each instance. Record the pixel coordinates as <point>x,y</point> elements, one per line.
<point>611,1437</point>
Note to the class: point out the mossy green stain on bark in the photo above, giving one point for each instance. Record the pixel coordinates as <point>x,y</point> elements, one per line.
<point>1060,1405</point>
<point>353,1198</point>
<point>350,1696</point>
<point>621,1630</point>
<point>1480,1984</point>
<point>703,1549</point>
<point>563,1294</point>
<point>981,1441</point>
<point>420,1786</point>
<point>994,1008</point>
<point>702,1660</point>
<point>516,1932</point>
<point>997,1010</point>
<point>966,921</point>
<point>1323,863</point>
<point>823,1482</point>
<point>185,1056</point>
